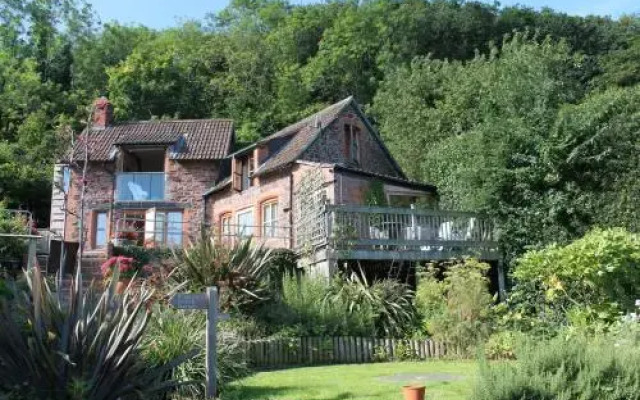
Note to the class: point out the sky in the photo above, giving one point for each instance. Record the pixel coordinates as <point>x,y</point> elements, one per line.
<point>165,13</point>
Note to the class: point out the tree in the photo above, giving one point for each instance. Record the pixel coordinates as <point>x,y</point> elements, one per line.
<point>168,76</point>
<point>475,129</point>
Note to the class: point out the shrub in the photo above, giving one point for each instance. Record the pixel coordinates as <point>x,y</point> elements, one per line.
<point>12,248</point>
<point>559,369</point>
<point>88,349</point>
<point>301,310</point>
<point>457,309</point>
<point>502,345</point>
<point>594,278</point>
<point>174,332</point>
<point>240,269</point>
<point>144,255</point>
<point>388,303</point>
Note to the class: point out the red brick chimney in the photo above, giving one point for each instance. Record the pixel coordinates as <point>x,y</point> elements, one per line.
<point>102,113</point>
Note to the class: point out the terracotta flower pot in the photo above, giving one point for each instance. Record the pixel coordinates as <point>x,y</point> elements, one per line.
<point>122,284</point>
<point>413,392</point>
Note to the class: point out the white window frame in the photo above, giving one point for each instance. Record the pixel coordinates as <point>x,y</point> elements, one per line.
<point>104,229</point>
<point>225,225</point>
<point>269,218</point>
<point>244,229</point>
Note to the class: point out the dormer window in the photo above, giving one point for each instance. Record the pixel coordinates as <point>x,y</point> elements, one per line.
<point>244,168</point>
<point>352,140</point>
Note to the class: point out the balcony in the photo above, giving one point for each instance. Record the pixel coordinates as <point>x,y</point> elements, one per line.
<point>353,232</point>
<point>140,186</point>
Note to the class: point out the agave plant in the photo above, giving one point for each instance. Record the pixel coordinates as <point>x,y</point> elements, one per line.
<point>240,269</point>
<point>84,347</point>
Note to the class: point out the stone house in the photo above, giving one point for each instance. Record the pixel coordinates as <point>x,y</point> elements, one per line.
<point>144,180</point>
<point>325,186</point>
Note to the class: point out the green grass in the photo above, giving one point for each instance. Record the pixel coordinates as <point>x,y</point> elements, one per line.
<point>356,381</point>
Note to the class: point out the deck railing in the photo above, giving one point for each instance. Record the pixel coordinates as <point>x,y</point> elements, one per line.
<point>364,232</point>
<point>271,236</point>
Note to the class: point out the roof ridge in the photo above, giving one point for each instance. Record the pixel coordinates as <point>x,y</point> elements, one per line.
<point>313,132</point>
<point>310,117</point>
<point>150,121</point>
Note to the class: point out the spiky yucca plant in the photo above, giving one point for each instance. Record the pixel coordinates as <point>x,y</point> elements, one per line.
<point>239,268</point>
<point>389,303</point>
<point>86,347</point>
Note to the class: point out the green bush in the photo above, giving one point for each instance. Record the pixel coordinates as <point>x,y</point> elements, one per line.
<point>387,303</point>
<point>343,306</point>
<point>173,332</point>
<point>143,255</point>
<point>86,348</point>
<point>459,308</point>
<point>12,248</point>
<point>240,269</point>
<point>595,278</point>
<point>559,369</point>
<point>502,345</point>
<point>301,310</point>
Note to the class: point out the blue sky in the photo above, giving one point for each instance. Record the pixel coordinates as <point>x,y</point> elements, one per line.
<point>165,13</point>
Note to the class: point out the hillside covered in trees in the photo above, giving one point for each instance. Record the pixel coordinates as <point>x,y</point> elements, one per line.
<point>531,116</point>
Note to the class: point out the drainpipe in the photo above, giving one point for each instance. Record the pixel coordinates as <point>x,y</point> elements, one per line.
<point>291,208</point>
<point>114,176</point>
<point>203,221</point>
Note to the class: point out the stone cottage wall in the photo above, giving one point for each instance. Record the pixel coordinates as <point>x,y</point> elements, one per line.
<point>331,147</point>
<point>186,181</point>
<point>274,186</point>
<point>99,194</point>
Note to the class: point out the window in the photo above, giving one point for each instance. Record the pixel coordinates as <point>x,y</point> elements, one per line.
<point>101,229</point>
<point>168,228</point>
<point>247,172</point>
<point>269,219</point>
<point>130,228</point>
<point>352,148</point>
<point>66,178</point>
<point>225,225</point>
<point>174,229</point>
<point>245,222</point>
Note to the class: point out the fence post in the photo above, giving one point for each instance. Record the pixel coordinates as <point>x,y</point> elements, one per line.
<point>32,254</point>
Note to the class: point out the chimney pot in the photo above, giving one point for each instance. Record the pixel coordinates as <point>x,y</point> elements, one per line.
<point>102,113</point>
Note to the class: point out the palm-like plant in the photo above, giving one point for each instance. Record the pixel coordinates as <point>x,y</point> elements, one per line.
<point>240,269</point>
<point>388,302</point>
<point>84,348</point>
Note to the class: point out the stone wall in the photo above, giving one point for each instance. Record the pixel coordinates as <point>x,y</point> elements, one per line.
<point>351,189</point>
<point>186,182</point>
<point>273,187</point>
<point>331,147</point>
<point>99,192</point>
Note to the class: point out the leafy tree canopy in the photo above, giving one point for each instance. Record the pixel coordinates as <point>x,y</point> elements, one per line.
<point>529,115</point>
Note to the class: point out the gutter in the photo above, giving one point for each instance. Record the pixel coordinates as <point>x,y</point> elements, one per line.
<point>219,186</point>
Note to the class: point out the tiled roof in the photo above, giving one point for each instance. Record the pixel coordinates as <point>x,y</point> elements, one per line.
<point>205,139</point>
<point>303,134</point>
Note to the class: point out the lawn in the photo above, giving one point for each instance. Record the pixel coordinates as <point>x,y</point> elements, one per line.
<point>445,380</point>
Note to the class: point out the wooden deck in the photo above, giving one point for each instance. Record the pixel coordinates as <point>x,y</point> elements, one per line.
<point>352,232</point>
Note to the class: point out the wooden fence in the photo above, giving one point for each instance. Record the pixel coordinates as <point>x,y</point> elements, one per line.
<point>274,353</point>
